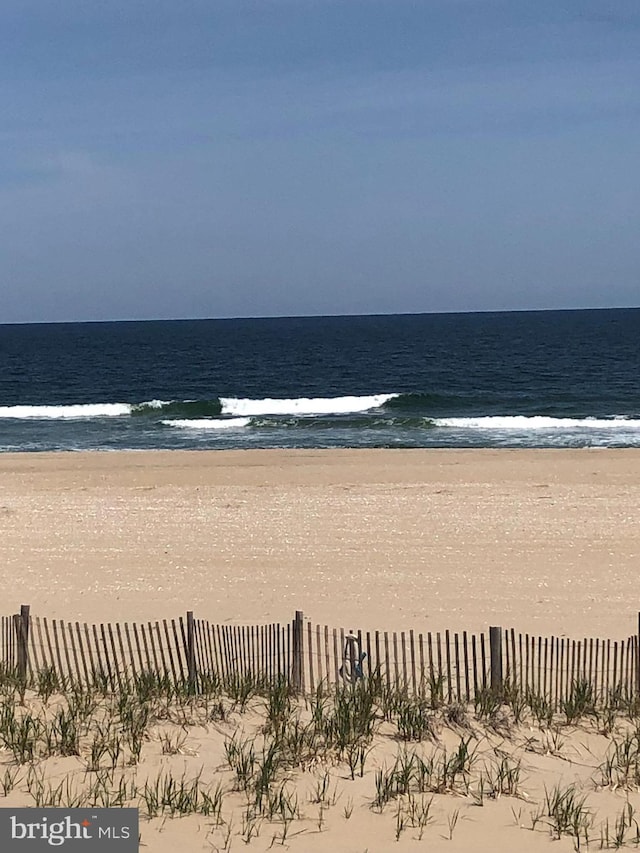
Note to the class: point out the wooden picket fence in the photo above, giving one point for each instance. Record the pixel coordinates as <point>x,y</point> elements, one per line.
<point>459,664</point>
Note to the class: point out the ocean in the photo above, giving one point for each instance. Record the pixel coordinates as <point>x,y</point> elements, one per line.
<point>503,379</point>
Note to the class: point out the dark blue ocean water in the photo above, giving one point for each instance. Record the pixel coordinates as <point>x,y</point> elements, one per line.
<point>526,379</point>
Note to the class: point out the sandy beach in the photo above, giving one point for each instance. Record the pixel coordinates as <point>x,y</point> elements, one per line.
<point>544,541</point>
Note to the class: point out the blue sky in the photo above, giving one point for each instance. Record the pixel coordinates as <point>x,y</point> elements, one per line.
<point>277,157</point>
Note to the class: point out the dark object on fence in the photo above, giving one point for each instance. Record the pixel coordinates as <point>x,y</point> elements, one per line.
<point>495,649</point>
<point>351,669</point>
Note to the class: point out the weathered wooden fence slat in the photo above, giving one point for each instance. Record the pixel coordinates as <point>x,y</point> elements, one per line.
<point>163,657</point>
<point>474,655</point>
<point>447,644</point>
<point>336,657</point>
<point>326,654</point>
<point>412,660</point>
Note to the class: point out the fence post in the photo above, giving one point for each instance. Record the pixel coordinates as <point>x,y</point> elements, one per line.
<point>22,633</point>
<point>296,663</point>
<point>495,649</point>
<point>638,658</point>
<point>191,651</point>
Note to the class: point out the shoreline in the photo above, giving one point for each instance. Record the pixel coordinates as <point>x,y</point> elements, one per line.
<point>542,540</point>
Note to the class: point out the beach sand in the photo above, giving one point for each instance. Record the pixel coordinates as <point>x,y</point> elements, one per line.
<point>546,541</point>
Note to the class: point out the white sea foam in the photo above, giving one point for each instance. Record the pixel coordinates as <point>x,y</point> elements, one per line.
<point>79,411</point>
<point>522,422</point>
<point>303,405</point>
<point>209,423</point>
<point>153,404</point>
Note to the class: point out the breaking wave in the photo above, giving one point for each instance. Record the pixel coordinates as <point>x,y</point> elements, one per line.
<point>184,408</point>
<point>303,405</point>
<point>208,423</point>
<point>88,410</point>
<point>538,422</point>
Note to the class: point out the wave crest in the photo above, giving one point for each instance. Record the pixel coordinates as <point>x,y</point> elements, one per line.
<point>77,412</point>
<point>208,423</point>
<point>303,405</point>
<point>184,408</point>
<point>529,422</point>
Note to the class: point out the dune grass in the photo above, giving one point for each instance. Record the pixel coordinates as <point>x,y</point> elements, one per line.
<point>272,737</point>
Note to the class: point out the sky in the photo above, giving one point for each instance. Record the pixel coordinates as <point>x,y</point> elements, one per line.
<point>206,158</point>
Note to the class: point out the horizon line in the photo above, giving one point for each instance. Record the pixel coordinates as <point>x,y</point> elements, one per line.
<point>316,316</point>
